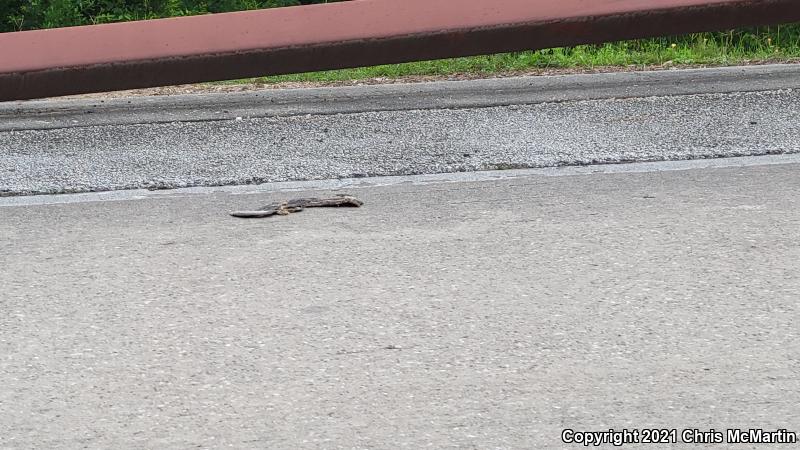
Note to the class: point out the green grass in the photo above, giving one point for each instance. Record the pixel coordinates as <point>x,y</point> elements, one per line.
<point>780,43</point>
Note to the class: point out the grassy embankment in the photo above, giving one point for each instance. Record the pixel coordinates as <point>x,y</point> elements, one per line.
<point>758,45</point>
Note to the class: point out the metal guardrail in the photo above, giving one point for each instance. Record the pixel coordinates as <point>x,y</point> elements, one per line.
<point>46,63</point>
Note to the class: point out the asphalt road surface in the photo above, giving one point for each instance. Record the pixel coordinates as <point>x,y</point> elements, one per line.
<point>471,314</point>
<point>91,145</point>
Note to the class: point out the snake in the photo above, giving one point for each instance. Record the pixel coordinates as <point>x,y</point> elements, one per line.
<point>284,208</point>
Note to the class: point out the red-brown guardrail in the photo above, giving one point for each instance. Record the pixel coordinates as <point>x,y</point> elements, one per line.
<point>45,63</point>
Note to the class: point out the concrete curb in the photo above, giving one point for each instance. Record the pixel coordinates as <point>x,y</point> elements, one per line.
<point>435,178</point>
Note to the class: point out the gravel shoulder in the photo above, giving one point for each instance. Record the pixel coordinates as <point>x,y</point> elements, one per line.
<point>379,143</point>
<point>85,145</point>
